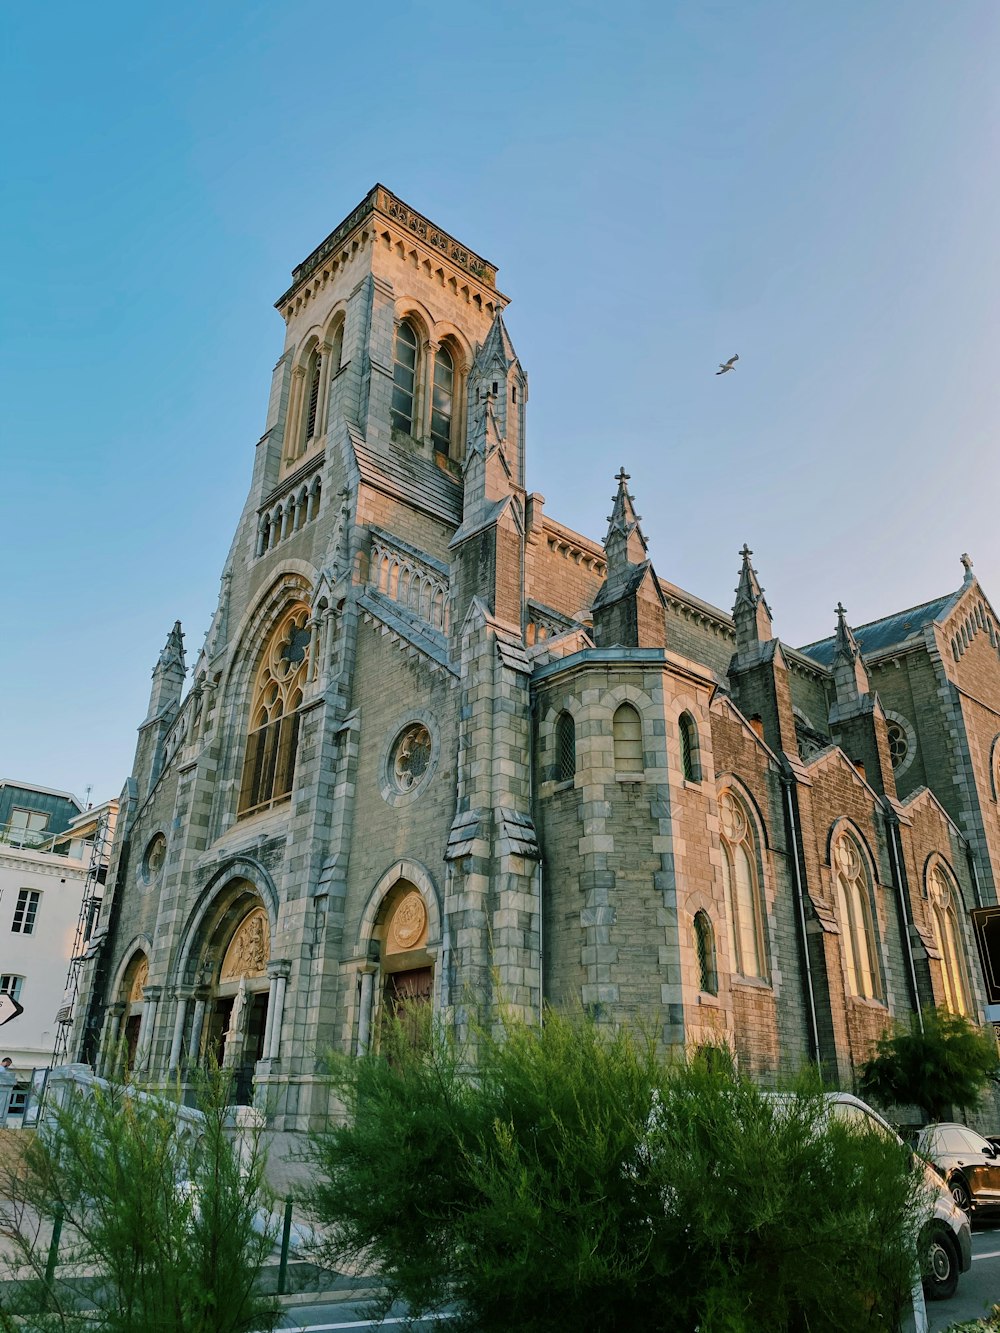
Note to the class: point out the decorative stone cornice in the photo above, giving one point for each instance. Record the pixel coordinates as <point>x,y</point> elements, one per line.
<point>381,201</point>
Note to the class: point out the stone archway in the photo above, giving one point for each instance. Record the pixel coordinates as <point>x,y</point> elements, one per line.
<point>231,997</point>
<point>406,967</point>
<point>131,999</point>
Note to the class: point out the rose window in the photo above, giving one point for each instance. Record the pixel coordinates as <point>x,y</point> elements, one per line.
<point>898,744</point>
<point>411,756</point>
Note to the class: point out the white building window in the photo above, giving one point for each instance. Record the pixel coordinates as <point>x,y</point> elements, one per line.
<point>11,985</point>
<point>25,911</point>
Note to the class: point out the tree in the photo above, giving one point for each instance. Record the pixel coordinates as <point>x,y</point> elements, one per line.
<point>160,1218</point>
<point>572,1180</point>
<point>946,1061</point>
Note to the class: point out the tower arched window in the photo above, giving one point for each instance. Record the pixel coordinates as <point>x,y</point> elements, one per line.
<point>690,763</point>
<point>856,924</point>
<point>626,727</point>
<point>443,400</point>
<point>565,748</point>
<point>269,763</point>
<point>944,900</point>
<point>312,397</point>
<point>404,377</point>
<point>704,946</point>
<point>741,884</point>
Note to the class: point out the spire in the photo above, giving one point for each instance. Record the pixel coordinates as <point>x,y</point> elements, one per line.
<point>498,348</point>
<point>751,613</point>
<point>624,544</point>
<point>967,566</point>
<point>168,674</point>
<point>173,650</point>
<point>498,391</point>
<point>850,676</point>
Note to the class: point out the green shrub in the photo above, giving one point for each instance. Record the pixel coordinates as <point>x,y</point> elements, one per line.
<point>943,1060</point>
<point>158,1228</point>
<point>576,1182</point>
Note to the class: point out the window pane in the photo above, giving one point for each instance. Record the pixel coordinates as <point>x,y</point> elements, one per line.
<point>746,893</point>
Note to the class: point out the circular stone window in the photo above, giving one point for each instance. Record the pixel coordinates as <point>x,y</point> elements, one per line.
<point>902,742</point>
<point>409,758</point>
<point>154,857</point>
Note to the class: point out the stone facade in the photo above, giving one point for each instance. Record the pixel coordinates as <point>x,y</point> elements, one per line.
<point>438,746</point>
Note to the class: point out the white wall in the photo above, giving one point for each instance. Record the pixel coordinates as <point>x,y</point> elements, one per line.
<point>42,957</point>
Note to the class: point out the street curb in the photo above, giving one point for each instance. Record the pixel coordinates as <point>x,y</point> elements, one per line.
<point>328,1297</point>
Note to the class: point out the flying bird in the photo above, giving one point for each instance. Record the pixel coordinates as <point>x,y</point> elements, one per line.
<point>727,365</point>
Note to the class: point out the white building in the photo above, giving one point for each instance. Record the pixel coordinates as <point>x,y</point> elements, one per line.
<point>42,890</point>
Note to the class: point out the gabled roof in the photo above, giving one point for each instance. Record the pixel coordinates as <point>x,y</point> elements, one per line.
<point>878,636</point>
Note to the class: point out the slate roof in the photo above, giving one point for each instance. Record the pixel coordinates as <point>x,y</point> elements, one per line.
<point>878,636</point>
<point>419,481</point>
<point>407,627</point>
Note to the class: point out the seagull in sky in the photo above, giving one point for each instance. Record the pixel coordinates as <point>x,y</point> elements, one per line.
<point>727,365</point>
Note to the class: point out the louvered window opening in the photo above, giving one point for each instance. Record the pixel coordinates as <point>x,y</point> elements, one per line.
<point>741,888</point>
<point>705,950</point>
<point>313,399</point>
<point>25,911</point>
<point>627,731</point>
<point>404,374</point>
<point>565,748</point>
<point>442,401</point>
<point>272,743</point>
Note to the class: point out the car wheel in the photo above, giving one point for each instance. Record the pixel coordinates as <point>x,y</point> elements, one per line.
<point>960,1193</point>
<point>940,1268</point>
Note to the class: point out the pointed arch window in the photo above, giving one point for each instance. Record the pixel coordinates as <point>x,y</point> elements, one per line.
<point>404,377</point>
<point>565,748</point>
<point>269,763</point>
<point>688,732</point>
<point>944,900</point>
<point>741,884</point>
<point>704,945</point>
<point>626,727</point>
<point>442,400</point>
<point>856,924</point>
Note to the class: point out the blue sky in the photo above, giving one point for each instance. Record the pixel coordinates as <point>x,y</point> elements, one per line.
<point>661,185</point>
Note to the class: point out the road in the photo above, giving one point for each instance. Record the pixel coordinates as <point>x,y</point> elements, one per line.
<point>978,1289</point>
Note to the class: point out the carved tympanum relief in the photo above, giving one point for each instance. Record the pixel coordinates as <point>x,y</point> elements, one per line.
<point>139,978</point>
<point>249,948</point>
<point>408,924</point>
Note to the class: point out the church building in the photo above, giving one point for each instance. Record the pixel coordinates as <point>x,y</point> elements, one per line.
<point>437,746</point>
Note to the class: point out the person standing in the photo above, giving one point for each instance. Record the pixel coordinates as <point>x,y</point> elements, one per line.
<point>7,1081</point>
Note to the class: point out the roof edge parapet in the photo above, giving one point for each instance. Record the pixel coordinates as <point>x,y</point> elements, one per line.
<point>383,201</point>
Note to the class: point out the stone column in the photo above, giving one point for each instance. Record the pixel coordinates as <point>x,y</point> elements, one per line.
<point>197,1027</point>
<point>294,418</point>
<point>181,998</point>
<point>365,1007</point>
<point>147,1025</point>
<point>278,970</point>
<point>323,404</point>
<point>109,1039</point>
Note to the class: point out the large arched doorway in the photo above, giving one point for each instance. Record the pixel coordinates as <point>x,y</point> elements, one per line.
<point>132,999</point>
<point>406,967</point>
<point>236,1020</point>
